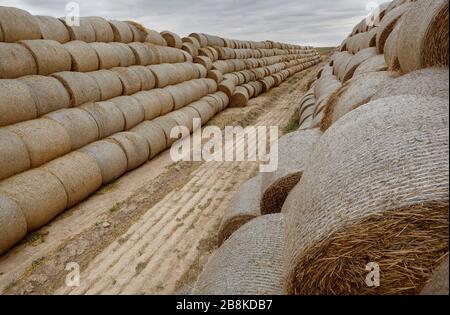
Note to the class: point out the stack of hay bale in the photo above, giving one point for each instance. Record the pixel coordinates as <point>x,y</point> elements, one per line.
<point>245,69</point>
<point>363,185</point>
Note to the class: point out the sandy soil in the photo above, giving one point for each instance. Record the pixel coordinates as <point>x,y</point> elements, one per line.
<point>151,231</point>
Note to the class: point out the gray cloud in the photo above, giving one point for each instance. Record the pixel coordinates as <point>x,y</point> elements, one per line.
<point>311,22</point>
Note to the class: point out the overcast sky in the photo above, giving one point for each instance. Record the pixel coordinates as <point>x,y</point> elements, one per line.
<point>308,22</point>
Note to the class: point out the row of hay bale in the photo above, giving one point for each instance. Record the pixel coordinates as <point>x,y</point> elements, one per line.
<point>363,182</point>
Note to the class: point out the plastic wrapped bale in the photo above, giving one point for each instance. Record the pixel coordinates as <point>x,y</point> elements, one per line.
<point>423,36</point>
<point>16,61</point>
<point>131,81</point>
<point>356,60</point>
<point>354,93</point>
<point>249,262</point>
<point>335,225</point>
<point>172,39</point>
<point>14,156</point>
<point>102,29</point>
<point>155,136</point>
<point>146,76</point>
<point>84,57</point>
<point>122,32</point>
<point>52,28</point>
<point>143,54</point>
<point>17,103</point>
<point>135,147</point>
<point>45,139</point>
<point>155,38</point>
<point>373,64</point>
<point>245,206</point>
<point>388,23</point>
<point>83,32</point>
<point>295,149</point>
<point>205,110</point>
<point>38,193</point>
<point>109,157</point>
<point>17,24</point>
<point>125,54</point>
<point>108,116</point>
<point>107,56</point>
<point>438,282</point>
<point>13,225</point>
<point>79,125</point>
<point>108,82</point>
<point>424,82</point>
<point>81,87</point>
<point>167,124</point>
<point>132,110</point>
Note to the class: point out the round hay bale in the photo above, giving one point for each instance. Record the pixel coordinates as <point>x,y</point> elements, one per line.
<point>373,64</point>
<point>135,147</point>
<point>240,97</point>
<point>108,116</point>
<point>213,40</point>
<point>108,82</point>
<point>179,95</point>
<point>165,99</point>
<point>84,57</point>
<point>191,40</point>
<point>142,54</point>
<point>307,113</point>
<point>155,38</point>
<point>38,193</point>
<point>83,32</point>
<point>139,31</point>
<point>172,39</point>
<point>148,80</point>
<point>132,110</point>
<point>78,173</point>
<point>122,32</point>
<point>245,206</point>
<point>438,282</point>
<point>202,40</point>
<point>356,60</point>
<point>425,82</point>
<point>354,93</point>
<point>16,61</point>
<point>183,118</point>
<point>294,151</point>
<point>150,101</point>
<point>131,81</point>
<point>340,64</point>
<point>211,85</point>
<point>102,29</point>
<point>81,87</point>
<point>107,57</point>
<point>248,263</point>
<point>79,125</point>
<point>13,225</point>
<point>190,49</point>
<point>45,139</point>
<point>216,75</point>
<point>388,23</point>
<point>258,87</point>
<point>228,87</point>
<point>154,135</point>
<point>18,24</point>
<point>390,48</point>
<point>124,53</point>
<point>14,157</point>
<point>191,113</point>
<point>424,36</point>
<point>214,102</point>
<point>167,124</point>
<point>203,108</point>
<point>109,157</point>
<point>204,61</point>
<point>52,28</point>
<point>203,73</point>
<point>335,225</point>
<point>17,102</point>
<point>250,90</point>
<point>165,74</point>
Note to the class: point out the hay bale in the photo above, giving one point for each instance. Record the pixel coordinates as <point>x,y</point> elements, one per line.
<point>79,125</point>
<point>146,76</point>
<point>155,38</point>
<point>139,31</point>
<point>45,139</point>
<point>135,147</point>
<point>81,87</point>
<point>52,28</point>
<point>223,97</point>
<point>124,53</point>
<point>425,82</point>
<point>205,110</point>
<point>354,93</point>
<point>108,82</point>
<point>190,49</point>
<point>214,102</point>
<point>122,31</point>
<point>191,113</point>
<point>388,23</point>
<point>228,87</point>
<point>17,102</point>
<point>202,40</point>
<point>240,97</point>
<point>107,57</point>
<point>294,151</point>
<point>438,282</point>
<point>16,61</point>
<point>165,74</point>
<point>167,124</point>
<point>340,64</point>
<point>184,118</point>
<point>79,174</point>
<point>172,39</point>
<point>165,99</point>
<point>424,36</point>
<point>191,40</point>
<point>249,262</point>
<point>257,86</point>
<point>131,81</point>
<point>84,57</point>
<point>17,24</point>
<point>216,75</point>
<point>150,102</point>
<point>244,207</point>
<point>102,29</point>
<point>109,157</point>
<point>13,225</point>
<point>143,54</point>
<point>179,95</point>
<point>356,60</point>
<point>14,157</point>
<point>154,134</point>
<point>306,114</point>
<point>83,32</point>
<point>373,64</point>
<point>38,193</point>
<point>203,73</point>
<point>132,110</point>
<point>204,61</point>
<point>108,116</point>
